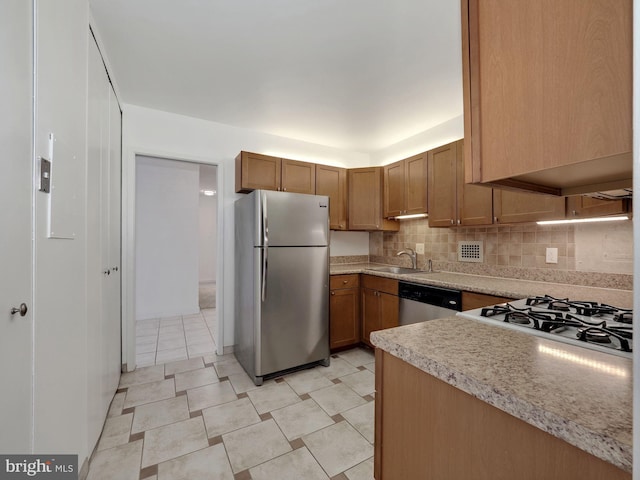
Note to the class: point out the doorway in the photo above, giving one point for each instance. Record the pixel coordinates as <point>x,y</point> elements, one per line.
<point>176,244</point>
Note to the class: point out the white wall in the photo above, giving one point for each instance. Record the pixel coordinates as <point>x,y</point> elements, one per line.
<point>162,134</point>
<point>167,217</point>
<point>208,225</point>
<point>60,337</point>
<point>349,243</point>
<point>442,134</point>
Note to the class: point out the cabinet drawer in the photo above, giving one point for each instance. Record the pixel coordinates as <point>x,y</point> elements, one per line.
<point>387,285</point>
<point>344,281</point>
<point>471,300</point>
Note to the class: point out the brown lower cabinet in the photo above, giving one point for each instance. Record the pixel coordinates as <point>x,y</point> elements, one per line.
<point>344,311</point>
<point>472,300</point>
<point>380,305</point>
<point>425,428</point>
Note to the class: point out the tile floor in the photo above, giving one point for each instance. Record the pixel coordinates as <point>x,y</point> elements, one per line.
<point>202,417</point>
<point>162,340</point>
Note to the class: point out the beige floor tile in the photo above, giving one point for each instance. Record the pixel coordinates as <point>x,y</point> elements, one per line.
<point>242,383</point>
<point>172,441</point>
<point>144,335</point>
<point>214,358</point>
<point>338,448</point>
<point>337,368</point>
<point>122,462</point>
<point>362,471</point>
<point>146,348</point>
<point>306,381</point>
<point>271,397</point>
<point>228,366</point>
<point>176,328</point>
<point>195,378</point>
<point>362,419</point>
<point>165,322</point>
<point>183,366</point>
<point>142,375</point>
<point>337,399</point>
<point>116,431</point>
<point>146,339</point>
<point>210,395</point>
<point>149,392</point>
<point>211,462</point>
<point>300,419</point>
<point>296,465</point>
<point>117,404</point>
<point>171,336</point>
<point>196,328</point>
<point>253,445</point>
<point>357,357</point>
<point>157,414</point>
<point>229,416</point>
<point>172,355</point>
<point>146,359</point>
<point>172,343</point>
<point>371,367</point>
<point>363,382</point>
<point>155,322</point>
<point>200,349</point>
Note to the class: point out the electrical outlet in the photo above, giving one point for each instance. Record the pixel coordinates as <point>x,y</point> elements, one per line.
<point>420,248</point>
<point>552,255</point>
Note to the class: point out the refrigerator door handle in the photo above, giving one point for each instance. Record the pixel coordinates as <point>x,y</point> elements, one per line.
<point>265,243</point>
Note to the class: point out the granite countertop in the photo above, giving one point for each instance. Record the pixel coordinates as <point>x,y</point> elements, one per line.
<point>579,395</point>
<point>504,287</point>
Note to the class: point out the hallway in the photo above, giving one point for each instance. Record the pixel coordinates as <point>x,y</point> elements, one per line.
<point>202,417</point>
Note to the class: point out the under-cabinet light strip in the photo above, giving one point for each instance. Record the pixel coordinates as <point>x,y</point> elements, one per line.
<point>583,220</point>
<point>407,217</point>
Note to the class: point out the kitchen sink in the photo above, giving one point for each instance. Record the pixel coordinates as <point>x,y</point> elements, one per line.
<point>398,270</point>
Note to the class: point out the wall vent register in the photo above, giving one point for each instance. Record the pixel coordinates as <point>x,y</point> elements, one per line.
<point>470,251</point>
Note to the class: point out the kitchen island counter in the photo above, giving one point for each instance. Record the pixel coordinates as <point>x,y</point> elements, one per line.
<point>581,396</point>
<point>498,286</point>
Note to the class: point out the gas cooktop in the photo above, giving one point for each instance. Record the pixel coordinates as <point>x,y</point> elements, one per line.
<point>588,324</point>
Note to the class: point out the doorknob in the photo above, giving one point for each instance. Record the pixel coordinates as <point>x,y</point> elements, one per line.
<point>115,269</point>
<point>107,272</point>
<point>22,310</point>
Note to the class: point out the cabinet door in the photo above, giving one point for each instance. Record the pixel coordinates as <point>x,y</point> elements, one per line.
<point>532,104</point>
<point>442,185</point>
<point>298,177</point>
<point>394,189</point>
<point>472,300</point>
<point>518,207</point>
<point>332,181</point>
<point>365,200</point>
<point>416,184</point>
<point>371,313</point>
<point>255,171</point>
<point>389,310</point>
<point>583,207</point>
<point>475,202</point>
<point>344,316</point>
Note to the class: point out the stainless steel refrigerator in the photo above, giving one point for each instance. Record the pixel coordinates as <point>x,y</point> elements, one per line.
<point>281,281</point>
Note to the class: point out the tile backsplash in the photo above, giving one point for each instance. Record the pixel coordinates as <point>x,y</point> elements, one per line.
<point>519,251</point>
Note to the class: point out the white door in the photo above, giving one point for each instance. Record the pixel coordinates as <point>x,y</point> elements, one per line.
<point>16,347</point>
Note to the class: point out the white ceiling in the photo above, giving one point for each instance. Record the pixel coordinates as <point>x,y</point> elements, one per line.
<point>353,74</point>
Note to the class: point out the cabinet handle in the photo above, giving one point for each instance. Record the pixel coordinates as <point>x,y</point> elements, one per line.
<point>344,282</point>
<point>575,214</point>
<point>333,293</point>
<point>458,221</point>
<point>452,222</point>
<point>284,189</point>
<point>495,219</point>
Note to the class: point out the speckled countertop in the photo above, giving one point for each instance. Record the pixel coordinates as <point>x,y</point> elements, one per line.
<point>504,287</point>
<point>579,395</point>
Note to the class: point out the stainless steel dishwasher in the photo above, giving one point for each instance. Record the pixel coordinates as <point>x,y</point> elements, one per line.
<point>419,303</point>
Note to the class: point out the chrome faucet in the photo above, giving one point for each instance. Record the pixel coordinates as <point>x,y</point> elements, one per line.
<point>412,255</point>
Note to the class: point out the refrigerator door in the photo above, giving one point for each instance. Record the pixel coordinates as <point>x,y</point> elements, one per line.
<point>291,219</point>
<point>293,324</point>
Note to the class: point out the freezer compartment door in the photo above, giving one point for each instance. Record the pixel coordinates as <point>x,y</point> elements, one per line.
<point>293,328</point>
<point>294,219</point>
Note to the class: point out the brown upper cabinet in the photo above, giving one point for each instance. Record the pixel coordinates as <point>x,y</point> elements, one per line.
<point>405,186</point>
<point>366,187</point>
<point>584,207</point>
<point>332,182</point>
<point>255,171</point>
<point>548,94</point>
<point>519,207</point>
<point>451,201</point>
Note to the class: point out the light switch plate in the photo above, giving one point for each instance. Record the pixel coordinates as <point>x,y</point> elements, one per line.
<point>419,247</point>
<point>552,255</point>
